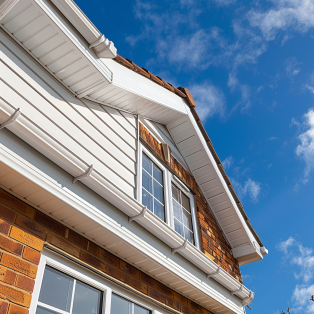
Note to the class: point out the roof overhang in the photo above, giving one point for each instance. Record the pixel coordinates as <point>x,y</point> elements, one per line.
<point>105,81</point>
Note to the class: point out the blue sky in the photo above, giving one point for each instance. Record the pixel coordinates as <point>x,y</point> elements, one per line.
<point>249,66</point>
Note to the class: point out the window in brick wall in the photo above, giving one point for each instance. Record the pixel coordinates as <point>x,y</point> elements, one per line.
<point>61,293</point>
<point>123,306</point>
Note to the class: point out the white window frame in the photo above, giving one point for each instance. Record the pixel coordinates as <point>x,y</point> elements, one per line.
<point>78,272</point>
<point>168,178</point>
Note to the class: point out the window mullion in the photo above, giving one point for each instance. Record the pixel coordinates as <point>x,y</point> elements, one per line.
<point>72,300</point>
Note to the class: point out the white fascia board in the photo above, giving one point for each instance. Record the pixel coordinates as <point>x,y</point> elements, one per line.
<point>24,128</point>
<point>102,46</point>
<point>83,48</point>
<point>6,6</point>
<point>222,181</point>
<point>32,174</point>
<point>144,87</point>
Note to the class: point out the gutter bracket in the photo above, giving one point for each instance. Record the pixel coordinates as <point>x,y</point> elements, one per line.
<point>12,119</point>
<point>217,272</point>
<point>84,175</point>
<point>141,215</point>
<point>180,248</point>
<point>236,291</point>
<point>248,300</point>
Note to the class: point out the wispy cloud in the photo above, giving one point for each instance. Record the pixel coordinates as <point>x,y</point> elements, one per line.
<point>292,66</point>
<point>288,15</point>
<point>227,163</point>
<point>272,138</point>
<point>294,122</point>
<point>303,258</point>
<point>250,187</point>
<point>210,100</point>
<point>305,149</point>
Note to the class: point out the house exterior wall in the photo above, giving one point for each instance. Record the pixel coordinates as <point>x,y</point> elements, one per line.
<point>23,233</point>
<point>213,243</point>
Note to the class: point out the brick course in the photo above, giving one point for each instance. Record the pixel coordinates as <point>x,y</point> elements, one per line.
<point>29,229</point>
<point>212,241</point>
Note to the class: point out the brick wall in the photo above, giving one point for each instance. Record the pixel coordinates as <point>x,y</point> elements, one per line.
<point>23,232</point>
<point>213,243</point>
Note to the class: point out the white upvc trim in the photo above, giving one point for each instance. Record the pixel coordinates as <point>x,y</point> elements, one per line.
<point>27,130</point>
<point>6,6</point>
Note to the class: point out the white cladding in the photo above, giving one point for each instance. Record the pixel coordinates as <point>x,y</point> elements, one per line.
<point>101,136</point>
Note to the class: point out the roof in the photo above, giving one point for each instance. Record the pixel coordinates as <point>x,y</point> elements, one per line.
<point>186,95</point>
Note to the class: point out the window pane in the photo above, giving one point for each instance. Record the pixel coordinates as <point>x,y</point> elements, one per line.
<point>185,202</point>
<point>189,235</point>
<point>157,174</point>
<point>147,164</point>
<point>41,310</point>
<point>187,219</point>
<point>159,210</point>
<point>120,305</point>
<point>178,227</point>
<point>56,289</point>
<point>140,310</point>
<point>175,193</point>
<point>86,299</point>
<point>147,182</point>
<point>177,210</point>
<point>147,200</point>
<point>158,191</point>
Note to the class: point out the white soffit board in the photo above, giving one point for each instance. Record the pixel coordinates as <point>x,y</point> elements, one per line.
<point>35,26</point>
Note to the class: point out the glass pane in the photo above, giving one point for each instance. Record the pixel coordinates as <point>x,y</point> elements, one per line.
<point>158,191</point>
<point>140,310</point>
<point>177,211</point>
<point>86,299</point>
<point>178,227</point>
<point>157,174</point>
<point>56,289</point>
<point>147,164</point>
<point>187,219</point>
<point>120,305</point>
<point>41,310</point>
<point>159,210</point>
<point>147,200</point>
<point>175,193</point>
<point>189,235</point>
<point>185,202</point>
<point>147,182</point>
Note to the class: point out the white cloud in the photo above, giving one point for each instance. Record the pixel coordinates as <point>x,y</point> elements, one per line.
<point>305,150</point>
<point>292,66</point>
<point>283,246</point>
<point>294,122</point>
<point>295,15</point>
<point>301,296</point>
<point>224,2</point>
<point>227,163</point>
<point>272,138</point>
<point>251,188</point>
<point>209,100</point>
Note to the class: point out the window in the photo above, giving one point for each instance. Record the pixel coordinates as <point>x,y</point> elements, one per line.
<point>152,187</point>
<point>182,214</point>
<point>61,293</point>
<point>123,306</point>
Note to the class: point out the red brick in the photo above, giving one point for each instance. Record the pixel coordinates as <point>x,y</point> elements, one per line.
<point>92,261</point>
<point>138,285</point>
<point>26,238</point>
<point>15,309</point>
<point>7,213</point>
<point>116,273</point>
<point>19,265</point>
<point>4,227</point>
<point>50,223</point>
<point>11,246</point>
<point>31,255</point>
<point>77,239</point>
<point>31,226</point>
<point>130,270</point>
<point>25,283</point>
<point>156,295</point>
<point>15,295</point>
<point>7,275</point>
<point>63,244</point>
<point>3,307</point>
<point>16,204</point>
